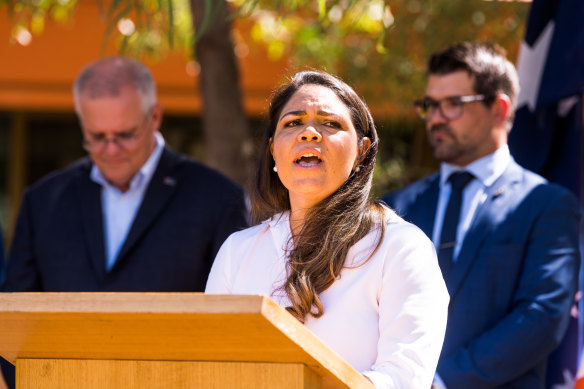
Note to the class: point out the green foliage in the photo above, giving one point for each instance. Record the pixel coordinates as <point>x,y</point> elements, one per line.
<point>146,27</point>
<point>29,16</point>
<point>380,46</point>
<point>317,32</point>
<point>149,27</point>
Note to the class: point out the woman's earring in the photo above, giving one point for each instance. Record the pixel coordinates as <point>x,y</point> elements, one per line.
<point>357,169</point>
<point>275,169</point>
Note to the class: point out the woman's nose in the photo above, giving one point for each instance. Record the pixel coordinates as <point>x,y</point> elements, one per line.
<point>309,134</point>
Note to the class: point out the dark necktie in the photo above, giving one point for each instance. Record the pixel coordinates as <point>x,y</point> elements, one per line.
<point>457,181</point>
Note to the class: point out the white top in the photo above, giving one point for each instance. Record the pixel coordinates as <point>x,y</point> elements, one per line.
<point>486,170</point>
<point>120,208</point>
<point>386,317</point>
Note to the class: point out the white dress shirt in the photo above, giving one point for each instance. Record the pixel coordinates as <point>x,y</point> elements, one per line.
<point>485,170</point>
<point>120,208</point>
<point>386,317</point>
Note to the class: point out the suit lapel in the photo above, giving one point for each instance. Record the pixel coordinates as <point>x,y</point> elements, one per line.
<point>159,191</point>
<point>89,196</point>
<point>483,223</point>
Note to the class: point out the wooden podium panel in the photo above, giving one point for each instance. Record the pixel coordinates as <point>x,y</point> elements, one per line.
<point>61,332</point>
<point>100,374</point>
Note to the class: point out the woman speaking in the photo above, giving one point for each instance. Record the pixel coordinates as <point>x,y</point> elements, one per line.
<point>363,280</point>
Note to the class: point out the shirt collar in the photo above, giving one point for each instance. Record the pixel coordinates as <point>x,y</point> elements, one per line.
<point>486,169</point>
<point>280,222</point>
<point>143,176</point>
<point>280,229</point>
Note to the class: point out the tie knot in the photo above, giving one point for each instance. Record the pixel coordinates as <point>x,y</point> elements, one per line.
<point>459,180</point>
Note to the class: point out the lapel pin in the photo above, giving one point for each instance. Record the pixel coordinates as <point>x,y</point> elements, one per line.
<point>170,181</point>
<point>499,191</point>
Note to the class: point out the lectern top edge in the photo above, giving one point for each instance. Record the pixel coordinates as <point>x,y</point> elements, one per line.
<point>131,302</point>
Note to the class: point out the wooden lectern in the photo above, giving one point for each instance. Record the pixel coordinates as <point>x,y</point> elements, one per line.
<point>163,340</point>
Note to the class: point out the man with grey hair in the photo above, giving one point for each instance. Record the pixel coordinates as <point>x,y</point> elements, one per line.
<point>507,240</point>
<point>134,215</point>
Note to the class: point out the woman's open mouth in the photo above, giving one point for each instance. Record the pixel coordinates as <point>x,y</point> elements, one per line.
<point>308,160</point>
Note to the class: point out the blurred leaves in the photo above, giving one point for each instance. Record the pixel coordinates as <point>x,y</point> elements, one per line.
<point>148,27</point>
<point>151,27</point>
<point>29,16</point>
<point>379,46</point>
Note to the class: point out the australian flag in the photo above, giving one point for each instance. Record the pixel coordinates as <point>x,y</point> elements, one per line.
<point>547,132</point>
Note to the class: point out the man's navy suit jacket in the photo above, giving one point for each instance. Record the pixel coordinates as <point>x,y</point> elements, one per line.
<point>187,212</point>
<point>513,283</point>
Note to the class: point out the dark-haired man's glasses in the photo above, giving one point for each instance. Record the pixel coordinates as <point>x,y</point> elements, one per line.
<point>127,140</point>
<point>450,108</point>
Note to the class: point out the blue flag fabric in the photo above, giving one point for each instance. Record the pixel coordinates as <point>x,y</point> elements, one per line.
<point>547,132</point>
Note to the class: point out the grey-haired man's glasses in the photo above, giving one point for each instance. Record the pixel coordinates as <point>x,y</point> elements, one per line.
<point>450,108</point>
<point>127,140</point>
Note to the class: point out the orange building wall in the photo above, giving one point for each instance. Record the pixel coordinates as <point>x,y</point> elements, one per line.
<point>39,77</point>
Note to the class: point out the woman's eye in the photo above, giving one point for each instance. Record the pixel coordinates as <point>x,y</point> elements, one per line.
<point>292,123</point>
<point>332,124</point>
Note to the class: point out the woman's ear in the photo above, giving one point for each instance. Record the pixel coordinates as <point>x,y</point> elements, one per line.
<point>271,140</point>
<point>364,144</point>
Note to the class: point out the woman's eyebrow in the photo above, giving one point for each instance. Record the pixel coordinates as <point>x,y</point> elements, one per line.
<point>303,113</point>
<point>327,113</point>
<point>293,113</point>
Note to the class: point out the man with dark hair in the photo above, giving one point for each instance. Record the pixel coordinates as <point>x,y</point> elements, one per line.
<point>507,240</point>
<point>135,215</point>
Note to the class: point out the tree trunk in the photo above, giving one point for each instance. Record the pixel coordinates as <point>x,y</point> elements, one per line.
<point>227,135</point>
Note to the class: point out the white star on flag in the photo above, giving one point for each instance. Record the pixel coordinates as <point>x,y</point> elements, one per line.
<point>532,62</point>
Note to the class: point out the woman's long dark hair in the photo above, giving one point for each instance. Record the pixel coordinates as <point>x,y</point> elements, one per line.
<point>334,225</point>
